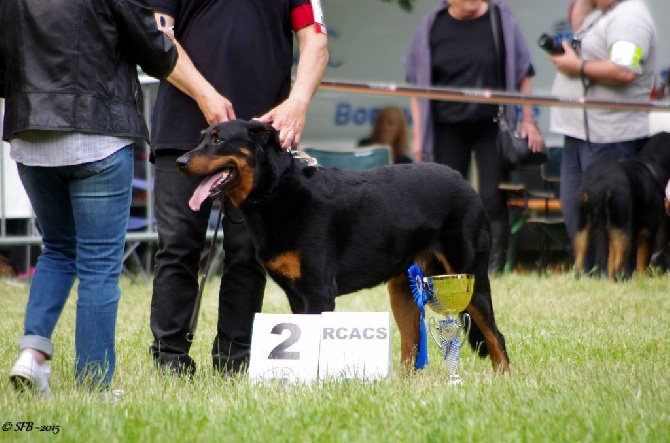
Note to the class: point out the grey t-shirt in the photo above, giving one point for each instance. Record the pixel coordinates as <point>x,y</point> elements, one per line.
<point>625,35</point>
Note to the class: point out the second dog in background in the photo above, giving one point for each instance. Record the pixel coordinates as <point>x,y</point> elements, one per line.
<point>622,204</point>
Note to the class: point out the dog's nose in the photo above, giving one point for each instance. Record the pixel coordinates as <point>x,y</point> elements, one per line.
<point>182,162</point>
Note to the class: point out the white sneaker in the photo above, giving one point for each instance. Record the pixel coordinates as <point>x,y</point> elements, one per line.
<point>28,374</point>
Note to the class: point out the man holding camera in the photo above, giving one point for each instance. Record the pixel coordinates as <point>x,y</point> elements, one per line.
<point>612,57</point>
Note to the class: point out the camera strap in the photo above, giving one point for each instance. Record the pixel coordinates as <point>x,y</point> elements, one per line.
<point>586,83</point>
<point>585,88</point>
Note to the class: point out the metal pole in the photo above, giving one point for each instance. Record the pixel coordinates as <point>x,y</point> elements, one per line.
<point>487,96</point>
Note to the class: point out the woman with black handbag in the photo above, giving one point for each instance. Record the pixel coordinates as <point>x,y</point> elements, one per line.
<point>471,44</point>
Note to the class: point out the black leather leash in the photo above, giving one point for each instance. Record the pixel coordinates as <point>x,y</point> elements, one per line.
<point>193,323</point>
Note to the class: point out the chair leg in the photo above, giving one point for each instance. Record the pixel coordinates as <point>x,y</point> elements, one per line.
<point>131,254</point>
<point>140,267</point>
<point>543,246</point>
<point>517,221</point>
<point>510,262</point>
<point>500,237</point>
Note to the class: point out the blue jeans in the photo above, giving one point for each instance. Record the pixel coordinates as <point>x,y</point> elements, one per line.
<point>82,211</point>
<point>577,156</point>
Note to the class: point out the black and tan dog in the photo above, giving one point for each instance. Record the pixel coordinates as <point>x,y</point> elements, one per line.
<point>622,202</point>
<point>323,232</point>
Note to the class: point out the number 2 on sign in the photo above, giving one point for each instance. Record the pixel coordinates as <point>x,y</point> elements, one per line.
<point>280,351</point>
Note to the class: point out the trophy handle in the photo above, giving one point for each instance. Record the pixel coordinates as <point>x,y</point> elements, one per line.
<point>434,325</point>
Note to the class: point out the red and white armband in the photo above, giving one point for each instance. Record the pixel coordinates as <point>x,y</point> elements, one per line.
<point>308,14</point>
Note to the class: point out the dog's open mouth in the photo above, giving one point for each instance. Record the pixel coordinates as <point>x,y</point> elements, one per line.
<point>212,187</point>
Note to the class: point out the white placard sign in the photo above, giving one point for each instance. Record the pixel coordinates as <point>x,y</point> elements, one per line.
<point>355,345</point>
<point>285,347</point>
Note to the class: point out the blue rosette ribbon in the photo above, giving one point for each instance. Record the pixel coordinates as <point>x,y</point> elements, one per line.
<point>420,298</point>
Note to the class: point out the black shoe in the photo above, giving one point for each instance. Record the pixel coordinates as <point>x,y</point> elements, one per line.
<point>178,364</point>
<point>230,366</point>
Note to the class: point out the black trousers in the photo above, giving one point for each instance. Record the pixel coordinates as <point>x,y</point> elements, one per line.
<point>181,239</point>
<point>454,145</point>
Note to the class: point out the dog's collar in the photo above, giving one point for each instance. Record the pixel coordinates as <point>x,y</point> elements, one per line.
<point>304,157</point>
<point>281,179</point>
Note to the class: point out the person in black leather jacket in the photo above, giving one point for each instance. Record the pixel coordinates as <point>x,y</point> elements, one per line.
<point>72,110</point>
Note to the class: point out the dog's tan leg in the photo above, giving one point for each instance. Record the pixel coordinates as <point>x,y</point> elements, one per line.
<point>611,247</point>
<point>407,317</point>
<point>619,247</point>
<point>448,269</point>
<point>643,252</point>
<point>499,358</point>
<point>580,247</point>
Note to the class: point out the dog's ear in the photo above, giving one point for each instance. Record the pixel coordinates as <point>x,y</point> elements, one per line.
<point>264,133</point>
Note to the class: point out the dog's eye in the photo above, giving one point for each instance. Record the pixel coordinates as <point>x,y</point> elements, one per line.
<point>216,140</point>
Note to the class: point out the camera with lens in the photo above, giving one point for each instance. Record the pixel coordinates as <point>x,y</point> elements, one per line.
<point>555,47</point>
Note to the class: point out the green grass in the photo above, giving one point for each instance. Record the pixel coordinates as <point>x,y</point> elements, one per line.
<point>589,363</point>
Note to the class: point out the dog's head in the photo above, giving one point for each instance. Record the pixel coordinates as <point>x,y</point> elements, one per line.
<point>227,156</point>
<point>657,150</point>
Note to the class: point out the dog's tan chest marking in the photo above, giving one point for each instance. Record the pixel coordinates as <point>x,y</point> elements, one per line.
<point>286,264</point>
<point>241,191</point>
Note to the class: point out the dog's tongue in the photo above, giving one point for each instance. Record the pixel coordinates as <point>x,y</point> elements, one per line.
<point>202,192</point>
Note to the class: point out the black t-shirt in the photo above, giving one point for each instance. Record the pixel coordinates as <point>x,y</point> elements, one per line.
<point>463,55</point>
<point>244,48</point>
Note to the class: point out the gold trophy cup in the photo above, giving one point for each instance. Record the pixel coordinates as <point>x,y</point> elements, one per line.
<point>449,295</point>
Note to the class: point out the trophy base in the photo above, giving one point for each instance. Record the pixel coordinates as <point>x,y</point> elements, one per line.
<point>455,380</point>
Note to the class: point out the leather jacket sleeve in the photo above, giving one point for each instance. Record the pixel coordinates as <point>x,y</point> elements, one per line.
<point>146,45</point>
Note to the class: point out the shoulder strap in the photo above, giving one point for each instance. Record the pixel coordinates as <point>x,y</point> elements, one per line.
<point>495,23</point>
<point>494,27</point>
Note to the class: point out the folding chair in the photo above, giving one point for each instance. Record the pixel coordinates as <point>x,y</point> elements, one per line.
<point>540,209</point>
<point>131,254</point>
<point>548,219</point>
<point>351,159</point>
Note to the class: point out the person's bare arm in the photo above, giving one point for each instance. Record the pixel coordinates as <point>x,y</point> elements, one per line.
<point>607,73</point>
<point>416,129</point>
<point>527,126</point>
<point>186,77</point>
<point>289,116</point>
<point>604,72</point>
